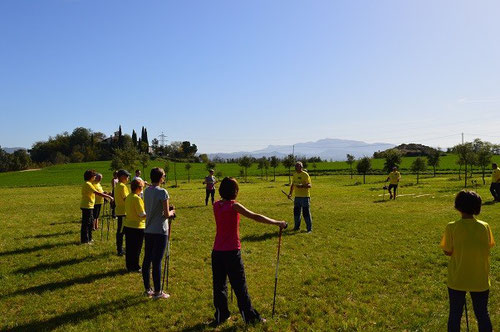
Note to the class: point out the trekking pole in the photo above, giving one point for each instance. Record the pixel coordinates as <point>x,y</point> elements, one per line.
<point>466,314</point>
<point>167,259</point>
<point>284,193</point>
<point>103,216</point>
<point>277,265</point>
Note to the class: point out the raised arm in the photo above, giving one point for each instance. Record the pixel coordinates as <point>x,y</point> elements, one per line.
<point>257,217</point>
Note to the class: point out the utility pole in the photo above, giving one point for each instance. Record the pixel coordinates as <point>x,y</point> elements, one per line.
<point>293,151</point>
<point>163,139</point>
<point>462,138</point>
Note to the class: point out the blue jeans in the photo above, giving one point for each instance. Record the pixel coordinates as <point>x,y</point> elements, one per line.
<point>154,249</point>
<point>479,304</point>
<point>301,204</point>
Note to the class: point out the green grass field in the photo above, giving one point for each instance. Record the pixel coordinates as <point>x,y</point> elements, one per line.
<point>71,174</point>
<point>370,264</point>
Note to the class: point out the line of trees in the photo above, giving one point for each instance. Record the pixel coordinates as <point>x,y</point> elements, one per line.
<point>84,145</point>
<point>471,154</point>
<point>16,161</point>
<point>474,154</point>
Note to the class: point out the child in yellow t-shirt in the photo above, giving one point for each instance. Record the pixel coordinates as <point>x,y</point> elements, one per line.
<point>99,200</point>
<point>133,226</point>
<point>87,205</point>
<point>120,193</point>
<point>468,242</point>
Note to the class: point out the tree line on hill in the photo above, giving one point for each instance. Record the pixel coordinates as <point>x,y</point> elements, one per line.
<point>85,145</point>
<point>477,153</point>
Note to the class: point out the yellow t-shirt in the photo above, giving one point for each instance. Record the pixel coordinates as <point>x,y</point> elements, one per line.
<point>394,177</point>
<point>88,196</point>
<point>121,193</point>
<point>98,199</point>
<point>495,176</point>
<point>301,178</point>
<point>470,241</point>
<point>134,207</point>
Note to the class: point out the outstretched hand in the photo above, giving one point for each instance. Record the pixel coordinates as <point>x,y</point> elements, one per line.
<point>283,224</point>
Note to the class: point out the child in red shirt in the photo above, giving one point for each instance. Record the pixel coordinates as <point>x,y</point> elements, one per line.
<point>226,255</point>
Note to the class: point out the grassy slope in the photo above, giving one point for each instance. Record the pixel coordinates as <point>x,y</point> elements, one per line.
<point>369,265</point>
<point>71,174</point>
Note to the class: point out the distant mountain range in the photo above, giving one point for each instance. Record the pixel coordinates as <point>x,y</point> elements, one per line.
<point>12,150</point>
<point>326,149</point>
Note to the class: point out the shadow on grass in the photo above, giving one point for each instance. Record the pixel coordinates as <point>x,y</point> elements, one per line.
<point>266,236</point>
<point>65,222</point>
<point>43,236</point>
<point>207,326</point>
<point>37,248</point>
<point>76,317</point>
<point>382,201</point>
<point>195,206</point>
<point>56,265</point>
<point>68,283</point>
<point>490,203</point>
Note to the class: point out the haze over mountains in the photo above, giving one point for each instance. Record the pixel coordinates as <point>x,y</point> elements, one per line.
<point>329,148</point>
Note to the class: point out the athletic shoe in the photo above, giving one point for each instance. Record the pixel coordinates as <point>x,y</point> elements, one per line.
<point>161,295</point>
<point>135,271</point>
<point>149,293</point>
<point>309,232</point>
<point>256,321</point>
<point>120,253</point>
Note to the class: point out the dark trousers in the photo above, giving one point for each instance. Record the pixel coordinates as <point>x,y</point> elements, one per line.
<point>229,264</point>
<point>394,187</point>
<point>302,204</point>
<point>495,191</point>
<point>133,245</point>
<point>154,249</point>
<point>87,223</point>
<point>479,303</point>
<point>97,210</point>
<point>119,235</point>
<point>209,193</point>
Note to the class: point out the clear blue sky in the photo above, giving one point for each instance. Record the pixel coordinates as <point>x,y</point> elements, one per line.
<point>239,75</point>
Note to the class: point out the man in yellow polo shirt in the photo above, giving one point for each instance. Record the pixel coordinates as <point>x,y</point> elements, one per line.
<point>133,226</point>
<point>121,193</point>
<point>301,184</point>
<point>393,179</point>
<point>495,183</point>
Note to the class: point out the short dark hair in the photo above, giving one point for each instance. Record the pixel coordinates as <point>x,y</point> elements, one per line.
<point>89,174</point>
<point>494,165</point>
<point>135,184</point>
<point>468,202</point>
<point>229,188</point>
<point>156,174</point>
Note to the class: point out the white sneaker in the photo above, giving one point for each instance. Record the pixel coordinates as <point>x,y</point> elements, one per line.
<point>161,295</point>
